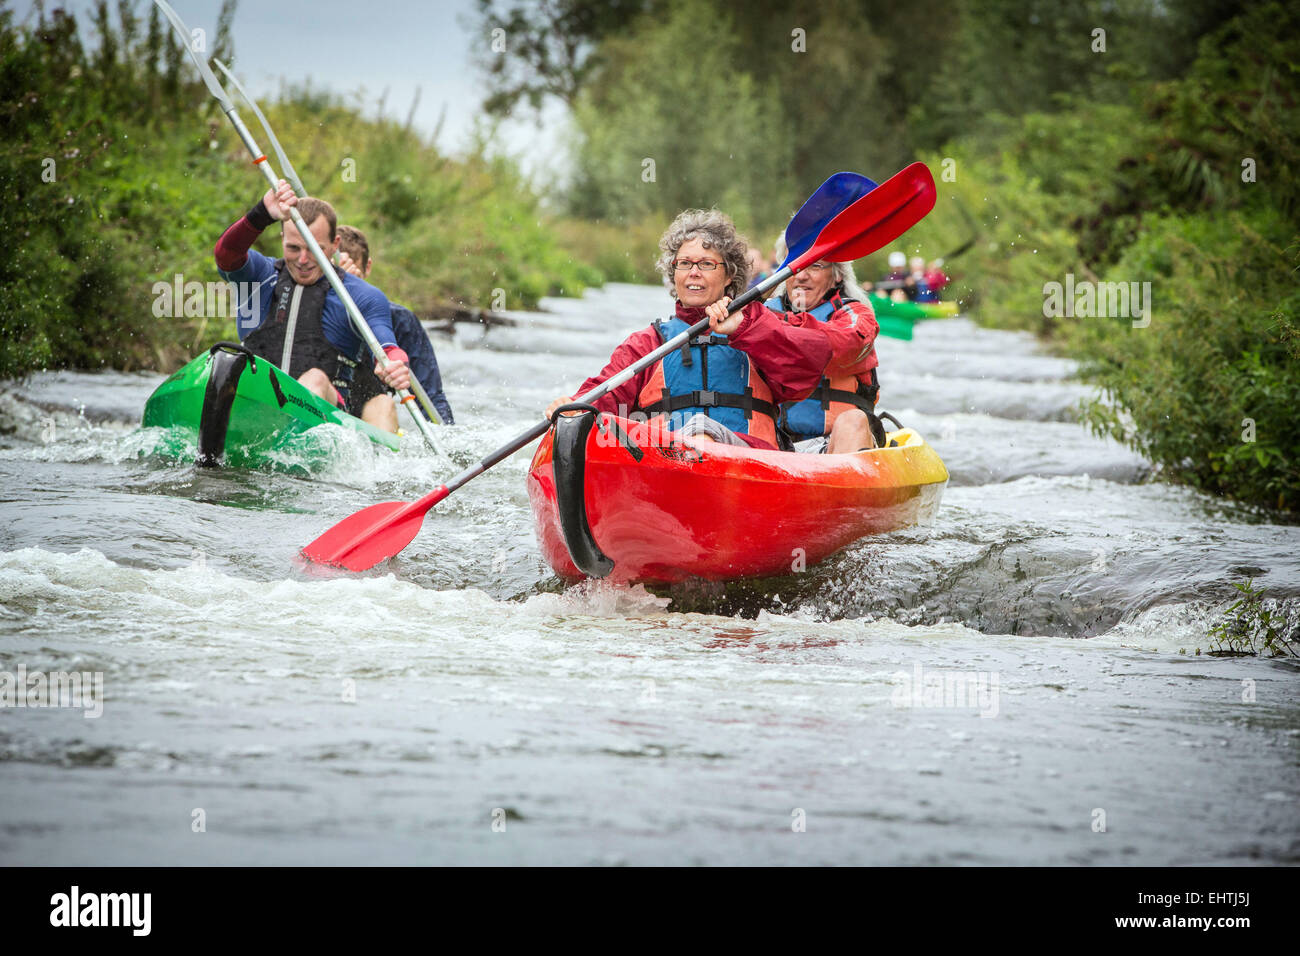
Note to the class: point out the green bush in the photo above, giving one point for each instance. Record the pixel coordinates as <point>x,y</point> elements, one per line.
<point>139,195</point>
<point>1210,389</point>
<point>1160,191</point>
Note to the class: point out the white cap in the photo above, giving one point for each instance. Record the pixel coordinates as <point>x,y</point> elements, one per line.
<point>897,260</point>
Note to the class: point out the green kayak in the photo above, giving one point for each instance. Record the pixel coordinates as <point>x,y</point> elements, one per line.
<point>897,318</point>
<point>893,326</point>
<point>913,311</point>
<point>229,407</point>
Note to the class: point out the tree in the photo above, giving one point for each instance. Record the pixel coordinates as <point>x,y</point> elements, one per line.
<point>654,139</point>
<point>543,49</point>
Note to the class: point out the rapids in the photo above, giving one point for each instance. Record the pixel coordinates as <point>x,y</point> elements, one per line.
<point>1016,683</point>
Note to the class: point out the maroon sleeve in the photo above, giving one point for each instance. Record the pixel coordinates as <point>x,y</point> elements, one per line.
<point>753,441</point>
<point>623,400</point>
<point>232,248</point>
<point>791,359</point>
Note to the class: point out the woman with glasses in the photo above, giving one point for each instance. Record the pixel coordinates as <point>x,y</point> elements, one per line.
<point>839,417</point>
<point>727,384</point>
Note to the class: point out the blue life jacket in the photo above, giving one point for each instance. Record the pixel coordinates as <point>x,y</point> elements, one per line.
<point>814,416</point>
<point>706,375</point>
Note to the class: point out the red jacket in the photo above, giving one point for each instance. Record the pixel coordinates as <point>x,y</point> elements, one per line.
<point>851,331</point>
<point>936,280</point>
<point>792,360</point>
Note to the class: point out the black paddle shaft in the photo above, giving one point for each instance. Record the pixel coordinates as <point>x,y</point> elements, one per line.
<point>676,342</point>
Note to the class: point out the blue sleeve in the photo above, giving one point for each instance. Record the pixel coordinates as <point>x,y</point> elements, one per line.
<point>440,400</point>
<point>373,305</point>
<point>414,341</point>
<point>254,286</point>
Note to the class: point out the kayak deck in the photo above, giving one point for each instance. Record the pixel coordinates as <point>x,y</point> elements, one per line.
<point>658,510</point>
<point>231,408</point>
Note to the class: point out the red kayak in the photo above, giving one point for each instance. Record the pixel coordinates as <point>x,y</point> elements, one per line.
<point>629,501</point>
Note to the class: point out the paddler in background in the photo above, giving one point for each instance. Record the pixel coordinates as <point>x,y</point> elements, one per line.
<point>727,384</point>
<point>898,282</point>
<point>897,267</point>
<point>839,417</point>
<point>303,326</point>
<point>354,257</point>
<point>935,278</point>
<point>920,290</point>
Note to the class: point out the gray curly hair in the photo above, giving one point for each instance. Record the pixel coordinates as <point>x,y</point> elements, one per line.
<point>716,230</point>
<point>841,272</point>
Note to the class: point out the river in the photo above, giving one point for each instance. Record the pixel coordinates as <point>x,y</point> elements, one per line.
<point>1017,683</point>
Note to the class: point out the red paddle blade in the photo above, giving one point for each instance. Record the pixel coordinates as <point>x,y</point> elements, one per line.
<point>875,220</point>
<point>362,540</point>
<point>832,197</point>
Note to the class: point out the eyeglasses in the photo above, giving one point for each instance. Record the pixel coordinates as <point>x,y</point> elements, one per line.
<point>817,267</point>
<point>706,265</point>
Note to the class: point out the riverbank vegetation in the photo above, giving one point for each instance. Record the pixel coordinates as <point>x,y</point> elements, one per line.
<point>1085,145</point>
<point>1185,194</point>
<point>119,172</point>
<point>1253,625</point>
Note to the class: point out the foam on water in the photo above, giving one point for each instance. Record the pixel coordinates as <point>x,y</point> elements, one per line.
<point>324,717</point>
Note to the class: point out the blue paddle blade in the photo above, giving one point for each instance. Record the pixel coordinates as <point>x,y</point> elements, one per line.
<point>831,198</point>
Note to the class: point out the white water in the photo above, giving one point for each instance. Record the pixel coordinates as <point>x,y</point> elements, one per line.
<point>392,717</point>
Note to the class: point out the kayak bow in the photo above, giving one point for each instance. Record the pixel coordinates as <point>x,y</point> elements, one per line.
<point>238,409</point>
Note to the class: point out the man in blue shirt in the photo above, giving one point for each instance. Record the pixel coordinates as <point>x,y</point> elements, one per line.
<point>296,319</point>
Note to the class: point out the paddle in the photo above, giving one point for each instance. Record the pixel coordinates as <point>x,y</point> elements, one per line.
<point>292,174</point>
<point>260,160</point>
<point>869,221</point>
<point>296,182</point>
<point>831,198</point>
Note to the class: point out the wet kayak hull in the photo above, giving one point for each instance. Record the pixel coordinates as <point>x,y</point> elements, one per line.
<point>894,327</point>
<point>660,511</point>
<point>228,407</point>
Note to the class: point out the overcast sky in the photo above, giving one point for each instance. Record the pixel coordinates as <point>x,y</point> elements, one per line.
<point>397,45</point>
